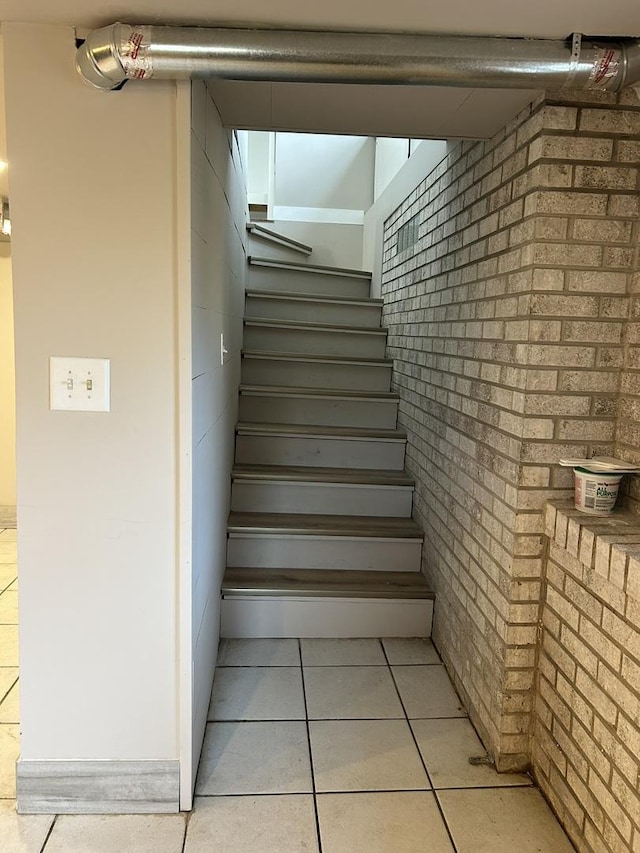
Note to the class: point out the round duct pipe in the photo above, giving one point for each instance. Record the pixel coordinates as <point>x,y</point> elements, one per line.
<point>113,54</point>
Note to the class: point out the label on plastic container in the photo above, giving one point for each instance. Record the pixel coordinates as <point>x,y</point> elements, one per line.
<point>596,494</point>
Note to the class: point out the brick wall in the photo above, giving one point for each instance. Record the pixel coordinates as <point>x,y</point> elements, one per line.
<point>511,338</point>
<point>586,746</point>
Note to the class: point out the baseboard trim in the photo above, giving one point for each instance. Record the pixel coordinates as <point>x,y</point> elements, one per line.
<point>7,516</point>
<point>97,787</point>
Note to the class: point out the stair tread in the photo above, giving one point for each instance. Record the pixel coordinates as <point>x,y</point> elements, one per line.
<point>325,393</point>
<point>320,431</point>
<point>320,327</point>
<point>299,473</point>
<point>314,297</point>
<point>273,355</point>
<point>327,583</point>
<point>298,524</point>
<point>317,268</point>
<point>277,237</point>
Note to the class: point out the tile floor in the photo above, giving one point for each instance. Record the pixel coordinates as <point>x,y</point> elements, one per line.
<point>312,746</point>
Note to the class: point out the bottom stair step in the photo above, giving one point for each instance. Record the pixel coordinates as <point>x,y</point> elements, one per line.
<point>325,582</point>
<point>307,603</point>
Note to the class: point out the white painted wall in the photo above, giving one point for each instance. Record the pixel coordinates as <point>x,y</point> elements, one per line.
<point>7,383</point>
<point>391,155</point>
<point>218,233</point>
<point>323,185</point>
<point>423,160</point>
<point>93,190</point>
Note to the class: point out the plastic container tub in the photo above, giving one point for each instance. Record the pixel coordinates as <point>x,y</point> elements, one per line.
<point>596,494</point>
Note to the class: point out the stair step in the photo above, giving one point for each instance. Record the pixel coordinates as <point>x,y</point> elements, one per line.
<point>317,446</point>
<point>308,603</point>
<point>270,274</point>
<point>343,491</point>
<point>314,268</point>
<point>300,473</point>
<point>314,338</point>
<point>314,298</point>
<point>324,309</point>
<point>293,370</point>
<point>311,541</point>
<point>327,583</point>
<point>318,406</point>
<point>352,526</point>
<point>272,236</point>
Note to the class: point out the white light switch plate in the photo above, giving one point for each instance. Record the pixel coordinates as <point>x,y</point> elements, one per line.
<point>79,384</point>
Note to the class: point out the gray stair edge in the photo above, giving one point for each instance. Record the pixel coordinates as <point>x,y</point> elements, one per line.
<point>326,583</point>
<point>314,327</point>
<point>318,393</point>
<point>320,431</point>
<point>320,475</point>
<point>312,268</point>
<point>334,526</point>
<point>276,237</point>
<point>350,360</point>
<point>364,301</point>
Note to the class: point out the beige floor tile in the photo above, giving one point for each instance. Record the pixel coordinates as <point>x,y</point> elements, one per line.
<point>351,692</point>
<point>9,752</point>
<point>8,574</point>
<point>447,745</point>
<point>363,652</point>
<point>8,676</point>
<point>399,822</point>
<point>8,645</point>
<point>22,833</point>
<point>414,650</point>
<point>258,653</point>
<point>10,705</point>
<point>502,820</point>
<point>427,692</point>
<point>9,534</point>
<point>257,693</point>
<point>8,552</point>
<point>255,758</point>
<point>121,833</point>
<point>9,607</point>
<point>283,824</point>
<point>365,755</point>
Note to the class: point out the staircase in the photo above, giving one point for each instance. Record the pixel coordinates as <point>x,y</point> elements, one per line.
<point>320,537</point>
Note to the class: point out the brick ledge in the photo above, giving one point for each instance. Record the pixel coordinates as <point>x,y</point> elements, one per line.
<point>607,545</point>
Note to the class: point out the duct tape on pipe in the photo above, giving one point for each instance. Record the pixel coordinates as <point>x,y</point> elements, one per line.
<point>135,57</point>
<point>606,68</point>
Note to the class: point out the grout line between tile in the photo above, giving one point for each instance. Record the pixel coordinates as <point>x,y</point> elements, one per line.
<point>46,841</point>
<point>313,775</point>
<point>433,790</point>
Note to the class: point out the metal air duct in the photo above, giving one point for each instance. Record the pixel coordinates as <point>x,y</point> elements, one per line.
<point>113,54</point>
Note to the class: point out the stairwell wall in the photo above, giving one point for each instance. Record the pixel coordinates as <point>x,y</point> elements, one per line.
<point>218,257</point>
<point>508,276</point>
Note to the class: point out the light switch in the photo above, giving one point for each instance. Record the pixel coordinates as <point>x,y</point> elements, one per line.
<point>79,384</point>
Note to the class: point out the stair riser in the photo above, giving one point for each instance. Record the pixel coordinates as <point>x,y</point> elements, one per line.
<point>295,281</point>
<point>321,498</point>
<point>320,412</point>
<point>313,342</point>
<point>304,374</point>
<point>310,552</point>
<point>320,452</point>
<point>255,616</point>
<point>261,246</point>
<point>313,312</point>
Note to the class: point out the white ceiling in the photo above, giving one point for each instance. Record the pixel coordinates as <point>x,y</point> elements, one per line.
<point>376,110</point>
<point>542,18</point>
